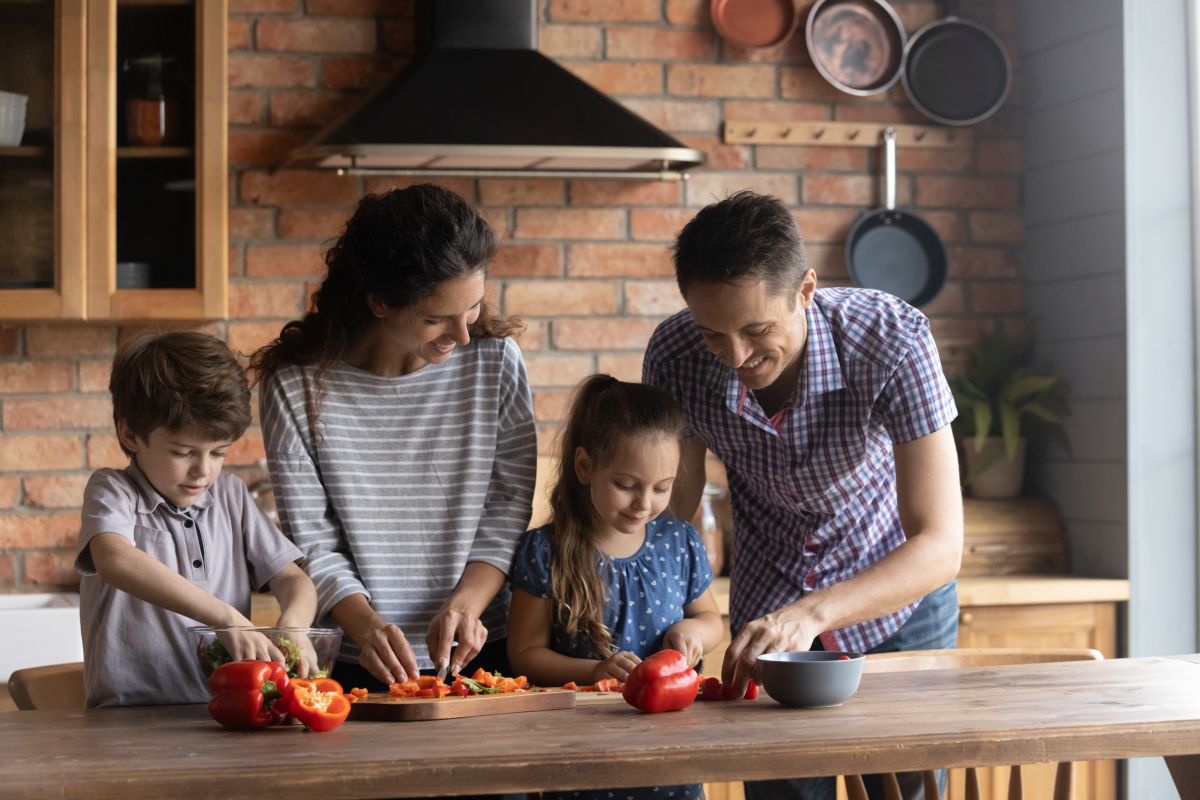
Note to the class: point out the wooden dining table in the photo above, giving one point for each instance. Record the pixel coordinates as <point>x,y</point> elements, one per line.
<point>1119,708</point>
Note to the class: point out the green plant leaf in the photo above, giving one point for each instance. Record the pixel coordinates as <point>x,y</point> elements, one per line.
<point>983,424</point>
<point>1010,429</point>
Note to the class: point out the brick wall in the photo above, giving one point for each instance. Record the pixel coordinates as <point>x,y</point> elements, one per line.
<point>585,262</point>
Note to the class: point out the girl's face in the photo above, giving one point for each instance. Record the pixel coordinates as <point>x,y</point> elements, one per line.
<point>432,328</point>
<point>634,487</point>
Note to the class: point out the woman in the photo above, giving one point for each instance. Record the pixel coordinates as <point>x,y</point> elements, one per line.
<point>399,430</point>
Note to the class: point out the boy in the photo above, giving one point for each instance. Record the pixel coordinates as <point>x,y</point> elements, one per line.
<point>168,542</point>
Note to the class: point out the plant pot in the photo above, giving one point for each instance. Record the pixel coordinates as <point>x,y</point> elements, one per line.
<point>1002,477</point>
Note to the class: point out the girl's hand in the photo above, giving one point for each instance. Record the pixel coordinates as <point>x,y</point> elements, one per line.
<point>687,638</point>
<point>453,624</point>
<point>387,655</point>
<point>618,666</point>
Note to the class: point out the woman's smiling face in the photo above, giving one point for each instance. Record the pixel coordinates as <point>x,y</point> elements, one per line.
<point>431,329</point>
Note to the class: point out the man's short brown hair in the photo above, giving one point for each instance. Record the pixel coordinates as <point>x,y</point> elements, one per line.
<point>182,380</point>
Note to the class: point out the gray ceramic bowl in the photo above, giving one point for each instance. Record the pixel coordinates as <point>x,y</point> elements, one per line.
<point>811,679</point>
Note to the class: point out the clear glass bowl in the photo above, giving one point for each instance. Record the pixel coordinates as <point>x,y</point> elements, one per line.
<point>318,647</point>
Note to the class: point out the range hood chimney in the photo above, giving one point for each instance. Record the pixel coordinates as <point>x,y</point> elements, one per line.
<point>482,101</point>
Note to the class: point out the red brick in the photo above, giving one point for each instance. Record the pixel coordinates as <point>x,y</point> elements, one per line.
<point>619,260</point>
<point>658,224</point>
<point>775,110</point>
<point>569,41</point>
<point>359,8</point>
<point>550,406</point>
<point>558,370</point>
<point>997,227</point>
<point>56,491</point>
<point>932,159</point>
<point>877,112</point>
<point>8,570</point>
<point>527,261</point>
<point>262,147</point>
<point>850,190</point>
<point>950,301</point>
<point>569,223</point>
<point>981,262</point>
<point>958,330</point>
<point>355,73</point>
<point>622,366</point>
<point>688,12</point>
<point>57,413</point>
<point>948,225</point>
<point>717,154</point>
<point>246,337</point>
<point>824,224</point>
<point>10,492</point>
<point>131,330</point>
<point>39,453</point>
<point>1004,156</point>
<point>10,340</point>
<point>918,14</point>
<point>52,568</point>
<point>246,450</point>
<point>284,260</point>
<point>709,187</point>
<point>68,340</point>
<point>790,51</point>
<point>398,37</point>
<point>305,108</point>
<point>720,80</point>
<point>625,193</point>
<point>312,223</point>
<point>237,35</point>
<point>103,450</point>
<point>530,192</point>
<point>500,220</point>
<point>617,333</point>
<point>660,44</point>
<point>38,530</point>
<point>251,223</point>
<point>653,298</point>
<point>246,107</point>
<point>259,71</point>
<point>604,11</point>
<point>555,298</point>
<point>263,6</point>
<point>676,115</point>
<point>619,77</point>
<point>805,83</point>
<point>935,192</point>
<point>533,338</point>
<point>812,159</point>
<point>997,297</point>
<point>463,187</point>
<point>317,35</point>
<point>36,376</point>
<point>297,187</point>
<point>235,264</point>
<point>254,299</point>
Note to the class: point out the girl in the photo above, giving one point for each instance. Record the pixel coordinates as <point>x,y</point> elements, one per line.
<point>399,431</point>
<point>608,581</point>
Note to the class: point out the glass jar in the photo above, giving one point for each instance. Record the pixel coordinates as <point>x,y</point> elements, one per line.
<point>152,101</point>
<point>710,530</point>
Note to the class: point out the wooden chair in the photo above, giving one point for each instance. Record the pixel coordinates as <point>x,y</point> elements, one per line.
<point>57,687</point>
<point>1064,782</point>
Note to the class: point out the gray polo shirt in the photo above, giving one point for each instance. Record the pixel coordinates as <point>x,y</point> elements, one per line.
<point>136,653</point>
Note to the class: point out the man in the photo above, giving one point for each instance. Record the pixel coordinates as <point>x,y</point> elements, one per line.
<point>832,416</point>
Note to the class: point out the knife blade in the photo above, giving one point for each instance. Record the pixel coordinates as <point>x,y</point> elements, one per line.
<point>442,667</point>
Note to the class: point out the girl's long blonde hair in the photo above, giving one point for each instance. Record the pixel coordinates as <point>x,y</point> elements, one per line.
<point>604,413</point>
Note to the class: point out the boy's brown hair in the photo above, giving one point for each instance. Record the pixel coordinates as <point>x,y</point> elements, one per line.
<point>182,380</point>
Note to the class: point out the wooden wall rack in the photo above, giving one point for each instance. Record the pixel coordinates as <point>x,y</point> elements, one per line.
<point>842,134</point>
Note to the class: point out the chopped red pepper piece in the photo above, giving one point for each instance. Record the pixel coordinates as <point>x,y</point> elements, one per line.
<point>246,694</point>
<point>662,682</point>
<point>318,710</point>
<point>751,690</point>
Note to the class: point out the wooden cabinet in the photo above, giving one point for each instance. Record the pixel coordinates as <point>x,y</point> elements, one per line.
<point>127,144</point>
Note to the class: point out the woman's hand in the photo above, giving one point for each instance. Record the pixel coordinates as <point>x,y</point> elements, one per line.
<point>618,666</point>
<point>455,624</point>
<point>387,655</point>
<point>686,637</point>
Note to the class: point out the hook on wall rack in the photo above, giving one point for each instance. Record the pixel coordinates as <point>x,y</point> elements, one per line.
<point>842,134</point>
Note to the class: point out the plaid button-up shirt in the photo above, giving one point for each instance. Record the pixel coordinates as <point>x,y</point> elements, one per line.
<point>814,489</point>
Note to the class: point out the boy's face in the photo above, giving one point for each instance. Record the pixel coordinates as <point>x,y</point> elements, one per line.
<point>181,465</point>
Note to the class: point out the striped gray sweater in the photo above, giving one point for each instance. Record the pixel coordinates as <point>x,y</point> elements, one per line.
<point>410,478</point>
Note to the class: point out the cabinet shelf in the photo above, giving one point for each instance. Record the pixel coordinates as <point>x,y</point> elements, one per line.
<point>154,152</point>
<point>24,152</point>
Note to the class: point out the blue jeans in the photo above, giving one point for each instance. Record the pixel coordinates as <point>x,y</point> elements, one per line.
<point>933,626</point>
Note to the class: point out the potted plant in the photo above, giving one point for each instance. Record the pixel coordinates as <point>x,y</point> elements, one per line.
<point>1000,398</point>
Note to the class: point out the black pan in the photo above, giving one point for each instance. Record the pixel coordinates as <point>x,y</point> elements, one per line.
<point>956,72</point>
<point>856,45</point>
<point>895,250</point>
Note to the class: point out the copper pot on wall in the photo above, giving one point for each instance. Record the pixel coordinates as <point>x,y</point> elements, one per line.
<point>856,45</point>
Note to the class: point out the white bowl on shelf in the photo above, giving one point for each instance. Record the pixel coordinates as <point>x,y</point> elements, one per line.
<point>12,118</point>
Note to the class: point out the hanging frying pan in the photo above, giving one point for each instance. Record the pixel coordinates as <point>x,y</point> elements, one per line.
<point>895,250</point>
<point>856,45</point>
<point>956,72</point>
<point>754,24</point>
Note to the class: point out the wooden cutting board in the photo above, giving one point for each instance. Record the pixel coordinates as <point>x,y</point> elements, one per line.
<point>384,708</point>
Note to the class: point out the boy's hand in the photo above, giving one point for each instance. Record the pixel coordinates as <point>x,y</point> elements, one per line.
<point>687,639</point>
<point>618,666</point>
<point>249,645</point>
<point>308,663</point>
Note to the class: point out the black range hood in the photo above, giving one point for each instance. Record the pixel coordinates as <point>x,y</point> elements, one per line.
<point>482,101</point>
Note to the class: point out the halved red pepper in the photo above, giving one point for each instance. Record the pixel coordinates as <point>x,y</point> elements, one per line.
<point>319,704</point>
<point>247,694</point>
<point>661,682</point>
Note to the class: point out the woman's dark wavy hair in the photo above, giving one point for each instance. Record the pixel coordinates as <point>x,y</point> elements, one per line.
<point>398,246</point>
<point>604,413</point>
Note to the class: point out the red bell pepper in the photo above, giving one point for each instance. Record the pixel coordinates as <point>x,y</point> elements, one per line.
<point>247,694</point>
<point>661,682</point>
<point>319,704</point>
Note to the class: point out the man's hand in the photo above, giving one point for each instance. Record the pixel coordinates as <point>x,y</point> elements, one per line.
<point>787,630</point>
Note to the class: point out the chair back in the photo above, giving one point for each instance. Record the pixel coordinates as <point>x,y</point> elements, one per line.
<point>57,687</point>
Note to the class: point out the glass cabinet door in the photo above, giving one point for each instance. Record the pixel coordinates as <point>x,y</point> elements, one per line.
<point>42,152</point>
